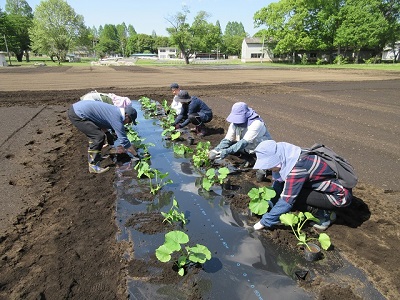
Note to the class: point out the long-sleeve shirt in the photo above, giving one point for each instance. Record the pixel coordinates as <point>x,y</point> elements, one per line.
<point>105,116</point>
<point>176,105</point>
<point>254,134</point>
<point>195,106</point>
<point>313,173</point>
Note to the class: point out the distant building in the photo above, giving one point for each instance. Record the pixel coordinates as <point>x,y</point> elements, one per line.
<point>254,50</point>
<point>167,53</point>
<point>388,53</point>
<point>3,61</point>
<point>144,55</point>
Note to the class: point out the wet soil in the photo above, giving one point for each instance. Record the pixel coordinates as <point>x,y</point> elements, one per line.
<point>60,242</point>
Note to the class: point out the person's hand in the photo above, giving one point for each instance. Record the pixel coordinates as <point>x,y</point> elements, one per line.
<point>177,126</point>
<point>223,154</point>
<point>120,150</point>
<point>132,150</point>
<point>214,154</point>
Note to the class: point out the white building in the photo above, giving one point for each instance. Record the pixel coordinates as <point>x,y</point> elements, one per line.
<point>388,53</point>
<point>254,50</point>
<point>3,61</point>
<point>167,52</point>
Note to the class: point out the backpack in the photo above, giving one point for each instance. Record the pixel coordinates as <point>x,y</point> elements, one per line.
<point>344,170</point>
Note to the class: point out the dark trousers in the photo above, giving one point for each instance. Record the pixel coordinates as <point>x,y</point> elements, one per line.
<point>92,131</point>
<point>197,120</point>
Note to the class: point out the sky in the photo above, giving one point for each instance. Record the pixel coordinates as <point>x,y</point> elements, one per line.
<point>148,15</point>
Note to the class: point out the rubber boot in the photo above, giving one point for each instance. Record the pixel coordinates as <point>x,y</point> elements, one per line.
<point>94,159</point>
<point>201,130</point>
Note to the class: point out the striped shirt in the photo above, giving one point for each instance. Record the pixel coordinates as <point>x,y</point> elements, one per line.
<point>309,172</point>
<point>312,172</point>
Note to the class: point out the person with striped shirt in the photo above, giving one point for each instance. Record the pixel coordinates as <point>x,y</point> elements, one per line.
<point>301,182</point>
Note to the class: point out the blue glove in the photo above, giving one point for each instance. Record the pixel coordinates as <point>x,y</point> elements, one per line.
<point>224,153</point>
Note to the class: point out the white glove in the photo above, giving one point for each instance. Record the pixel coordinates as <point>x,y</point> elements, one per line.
<point>214,154</point>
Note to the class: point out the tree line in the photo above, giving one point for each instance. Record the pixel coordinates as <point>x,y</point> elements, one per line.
<point>54,29</point>
<point>330,26</point>
<point>288,27</point>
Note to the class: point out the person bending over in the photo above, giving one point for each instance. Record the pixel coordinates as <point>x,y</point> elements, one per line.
<point>302,183</point>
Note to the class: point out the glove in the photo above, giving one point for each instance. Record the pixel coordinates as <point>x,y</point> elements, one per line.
<point>224,153</point>
<point>214,154</point>
<point>177,126</point>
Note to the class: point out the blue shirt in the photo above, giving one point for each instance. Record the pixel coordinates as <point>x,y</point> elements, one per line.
<point>105,116</point>
<point>195,105</point>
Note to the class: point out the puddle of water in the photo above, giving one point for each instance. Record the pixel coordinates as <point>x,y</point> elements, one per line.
<point>243,265</point>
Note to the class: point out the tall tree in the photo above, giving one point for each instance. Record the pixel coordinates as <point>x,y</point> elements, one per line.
<point>362,25</point>
<point>233,38</point>
<point>20,20</point>
<point>285,26</point>
<point>180,33</point>
<point>122,31</point>
<point>108,41</point>
<point>199,37</point>
<point>56,28</point>
<point>18,7</point>
<point>391,12</point>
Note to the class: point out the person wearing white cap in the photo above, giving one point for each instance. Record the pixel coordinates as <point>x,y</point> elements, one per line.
<point>175,104</point>
<point>301,182</point>
<point>246,131</point>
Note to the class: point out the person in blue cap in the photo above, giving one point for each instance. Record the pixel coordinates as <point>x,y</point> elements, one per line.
<point>93,118</point>
<point>301,182</point>
<point>246,130</point>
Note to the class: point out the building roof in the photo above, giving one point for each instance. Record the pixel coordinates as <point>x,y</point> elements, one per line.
<point>253,40</point>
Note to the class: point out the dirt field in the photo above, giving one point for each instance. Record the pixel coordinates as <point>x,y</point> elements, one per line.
<point>57,230</point>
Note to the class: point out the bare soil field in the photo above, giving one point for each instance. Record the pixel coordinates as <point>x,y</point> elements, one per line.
<point>57,227</point>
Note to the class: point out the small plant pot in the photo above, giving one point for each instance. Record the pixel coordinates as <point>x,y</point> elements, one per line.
<point>313,253</point>
<point>190,141</point>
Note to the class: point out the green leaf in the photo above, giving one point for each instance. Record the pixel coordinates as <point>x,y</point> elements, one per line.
<point>181,272</point>
<point>175,135</point>
<point>254,193</point>
<point>182,261</point>
<point>177,236</point>
<point>289,219</point>
<point>258,207</point>
<point>324,240</point>
<point>207,183</point>
<point>199,253</point>
<point>210,173</point>
<point>163,253</point>
<point>223,171</point>
<point>268,193</point>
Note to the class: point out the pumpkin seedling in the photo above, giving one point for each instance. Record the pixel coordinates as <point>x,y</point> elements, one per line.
<point>182,149</point>
<point>212,177</point>
<point>259,199</point>
<point>296,222</point>
<point>174,215</point>
<point>198,254</point>
<point>200,158</point>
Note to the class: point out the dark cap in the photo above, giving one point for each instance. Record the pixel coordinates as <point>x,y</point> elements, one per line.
<point>183,96</point>
<point>174,86</point>
<point>132,113</point>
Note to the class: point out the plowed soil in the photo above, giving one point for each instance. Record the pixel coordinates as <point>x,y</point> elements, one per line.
<point>57,227</point>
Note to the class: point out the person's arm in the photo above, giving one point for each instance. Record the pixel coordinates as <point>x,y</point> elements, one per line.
<point>236,147</point>
<point>293,185</point>
<point>189,109</point>
<point>182,115</point>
